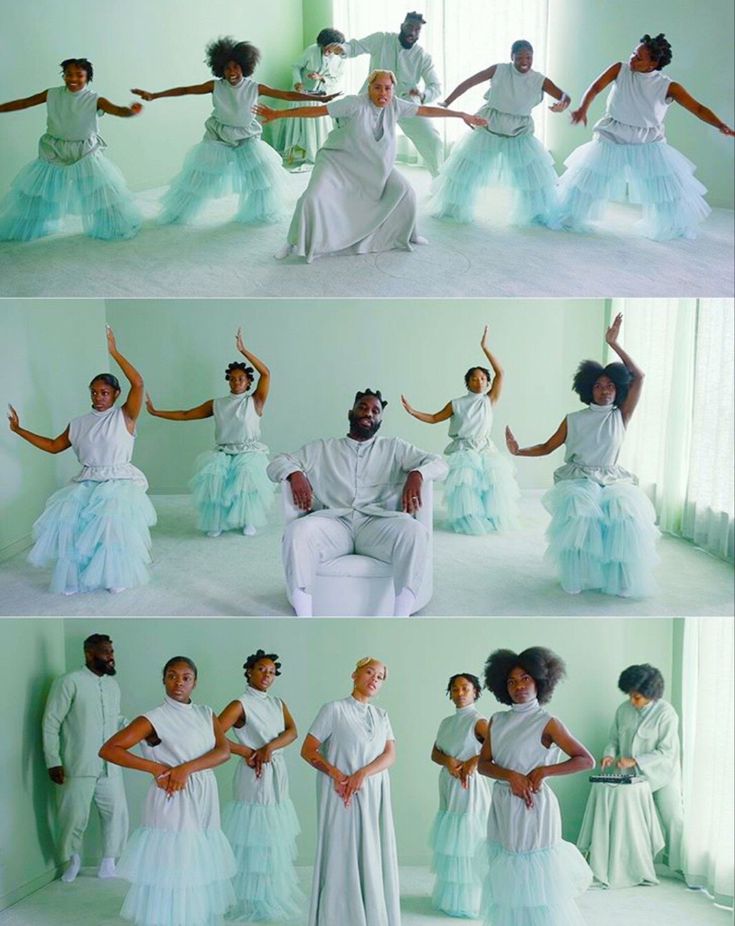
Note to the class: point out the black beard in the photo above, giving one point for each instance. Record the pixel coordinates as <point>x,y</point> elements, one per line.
<point>404,43</point>
<point>103,668</point>
<point>360,431</point>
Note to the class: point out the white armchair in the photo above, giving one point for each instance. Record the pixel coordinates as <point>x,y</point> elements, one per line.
<point>360,586</point>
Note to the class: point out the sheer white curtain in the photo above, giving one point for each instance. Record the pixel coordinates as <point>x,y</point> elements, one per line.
<point>707,741</point>
<point>680,440</point>
<point>461,38</point>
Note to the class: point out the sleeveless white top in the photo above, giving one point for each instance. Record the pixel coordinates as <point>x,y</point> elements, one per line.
<point>237,425</point>
<point>104,447</point>
<point>471,423</point>
<point>232,120</point>
<point>71,125</point>
<point>636,108</point>
<point>594,439</point>
<point>516,738</point>
<point>456,734</point>
<point>185,731</point>
<point>511,97</point>
<point>263,720</point>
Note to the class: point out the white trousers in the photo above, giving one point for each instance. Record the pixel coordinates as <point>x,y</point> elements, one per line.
<point>311,540</point>
<point>427,140</point>
<point>73,804</point>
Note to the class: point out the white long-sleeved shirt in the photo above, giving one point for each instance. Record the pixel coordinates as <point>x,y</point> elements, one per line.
<point>651,737</point>
<point>412,66</point>
<point>82,712</point>
<point>350,476</point>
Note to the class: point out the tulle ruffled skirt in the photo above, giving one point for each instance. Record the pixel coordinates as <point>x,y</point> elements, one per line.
<point>482,159</point>
<point>654,175</point>
<point>535,888</point>
<point>602,537</point>
<point>480,492</point>
<point>179,877</point>
<point>231,490</point>
<point>97,534</point>
<point>252,169</point>
<point>44,192</point>
<point>455,839</point>
<point>263,838</point>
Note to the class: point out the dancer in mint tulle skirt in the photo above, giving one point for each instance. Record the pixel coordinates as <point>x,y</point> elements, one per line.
<point>260,821</point>
<point>71,174</point>
<point>505,151</point>
<point>232,157</point>
<point>533,874</point>
<point>602,533</point>
<point>178,861</point>
<point>231,490</point>
<point>464,801</point>
<point>629,150</point>
<point>96,529</point>
<point>480,491</point>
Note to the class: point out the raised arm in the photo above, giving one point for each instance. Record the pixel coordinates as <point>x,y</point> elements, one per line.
<point>260,395</point>
<point>678,93</point>
<point>597,86</point>
<point>125,111</point>
<point>26,103</point>
<point>499,377</point>
<point>205,410</point>
<point>48,444</point>
<point>234,716</point>
<point>134,402</point>
<point>538,450</point>
<point>427,417</point>
<point>193,90</point>
<point>265,90</point>
<point>563,98</point>
<point>299,112</point>
<point>634,390</point>
<point>438,112</point>
<point>580,758</point>
<point>470,82</point>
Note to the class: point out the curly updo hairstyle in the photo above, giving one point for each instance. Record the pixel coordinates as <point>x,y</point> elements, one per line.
<point>255,657</point>
<point>330,37</point>
<point>544,666</point>
<point>472,679</point>
<point>243,367</point>
<point>225,49</point>
<point>369,392</point>
<point>84,63</point>
<point>472,370</point>
<point>645,679</point>
<point>658,48</point>
<point>589,371</point>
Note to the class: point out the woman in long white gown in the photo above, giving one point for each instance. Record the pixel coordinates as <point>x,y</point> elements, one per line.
<point>351,745</point>
<point>356,201</point>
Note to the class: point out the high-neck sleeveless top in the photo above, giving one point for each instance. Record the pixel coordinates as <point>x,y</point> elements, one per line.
<point>104,447</point>
<point>636,107</point>
<point>237,424</point>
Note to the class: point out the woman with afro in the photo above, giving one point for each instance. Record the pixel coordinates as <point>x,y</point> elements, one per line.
<point>602,533</point>
<point>232,157</point>
<point>533,874</point>
<point>230,488</point>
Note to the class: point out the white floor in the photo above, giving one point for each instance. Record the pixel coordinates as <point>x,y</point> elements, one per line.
<point>219,258</point>
<point>90,902</point>
<point>473,576</point>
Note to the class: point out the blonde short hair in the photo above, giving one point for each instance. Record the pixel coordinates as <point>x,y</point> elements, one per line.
<point>379,72</point>
<point>366,660</point>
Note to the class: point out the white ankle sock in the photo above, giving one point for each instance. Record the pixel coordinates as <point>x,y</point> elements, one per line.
<point>302,603</point>
<point>107,868</point>
<point>72,869</point>
<point>405,603</point>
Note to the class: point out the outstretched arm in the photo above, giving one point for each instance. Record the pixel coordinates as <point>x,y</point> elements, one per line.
<point>634,391</point>
<point>563,98</point>
<point>49,444</point>
<point>538,450</point>
<point>470,82</point>
<point>299,112</point>
<point>26,103</point>
<point>264,382</point>
<point>205,410</point>
<point>438,112</point>
<point>497,386</point>
<point>193,90</point>
<point>597,86</point>
<point>678,93</point>
<point>125,111</point>
<point>426,417</point>
<point>265,90</point>
<point>134,402</point>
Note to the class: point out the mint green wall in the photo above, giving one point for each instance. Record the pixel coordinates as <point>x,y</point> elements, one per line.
<point>31,655</point>
<point>318,657</point>
<point>586,36</point>
<point>134,44</point>
<point>318,16</point>
<point>321,353</point>
<point>51,349</point>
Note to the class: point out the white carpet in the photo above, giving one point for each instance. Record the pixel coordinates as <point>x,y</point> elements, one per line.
<point>473,576</point>
<point>90,902</point>
<point>219,258</point>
